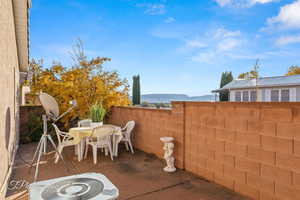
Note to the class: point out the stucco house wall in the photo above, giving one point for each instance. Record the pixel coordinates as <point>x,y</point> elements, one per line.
<point>13,24</point>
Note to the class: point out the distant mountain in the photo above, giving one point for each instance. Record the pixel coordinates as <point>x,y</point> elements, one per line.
<point>208,97</point>
<point>167,98</point>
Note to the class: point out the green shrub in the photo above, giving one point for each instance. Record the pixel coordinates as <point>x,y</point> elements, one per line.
<point>97,112</point>
<point>35,128</point>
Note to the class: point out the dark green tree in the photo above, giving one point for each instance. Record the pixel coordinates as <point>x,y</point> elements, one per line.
<point>225,79</point>
<point>136,90</point>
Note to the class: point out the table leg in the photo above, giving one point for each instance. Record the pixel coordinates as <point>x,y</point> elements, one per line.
<point>76,150</point>
<point>114,145</point>
<point>117,139</point>
<point>79,151</point>
<point>82,148</point>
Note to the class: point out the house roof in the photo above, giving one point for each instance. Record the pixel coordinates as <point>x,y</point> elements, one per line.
<point>21,20</point>
<point>275,81</point>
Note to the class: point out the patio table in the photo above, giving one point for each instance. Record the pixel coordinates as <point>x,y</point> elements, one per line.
<point>80,133</point>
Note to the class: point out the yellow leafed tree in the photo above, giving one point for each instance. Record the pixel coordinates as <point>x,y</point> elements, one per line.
<point>86,82</point>
<point>248,75</point>
<point>293,70</point>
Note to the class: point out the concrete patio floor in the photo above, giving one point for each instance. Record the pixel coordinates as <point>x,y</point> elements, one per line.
<point>138,176</point>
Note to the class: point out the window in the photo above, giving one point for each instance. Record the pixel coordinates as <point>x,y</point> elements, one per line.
<point>285,95</point>
<point>253,96</point>
<point>245,96</point>
<point>237,96</point>
<point>274,95</point>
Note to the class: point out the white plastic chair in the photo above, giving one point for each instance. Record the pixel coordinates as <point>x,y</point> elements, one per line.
<point>64,140</point>
<point>83,123</point>
<point>126,132</point>
<point>103,142</point>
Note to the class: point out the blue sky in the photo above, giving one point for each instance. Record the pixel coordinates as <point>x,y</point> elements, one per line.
<point>176,46</point>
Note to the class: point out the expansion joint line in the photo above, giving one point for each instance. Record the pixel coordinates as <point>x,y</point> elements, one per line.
<point>162,189</point>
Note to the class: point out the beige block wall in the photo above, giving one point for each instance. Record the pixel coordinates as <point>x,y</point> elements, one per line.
<point>251,148</point>
<point>151,124</point>
<point>9,82</point>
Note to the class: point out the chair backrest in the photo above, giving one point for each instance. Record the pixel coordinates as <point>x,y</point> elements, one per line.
<point>128,128</point>
<point>85,123</point>
<point>102,133</point>
<point>57,131</point>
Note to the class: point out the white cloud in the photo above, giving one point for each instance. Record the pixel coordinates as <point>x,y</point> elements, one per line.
<point>228,44</point>
<point>154,9</point>
<point>192,46</point>
<point>217,40</point>
<point>246,56</point>
<point>216,45</point>
<point>288,17</point>
<point>169,20</point>
<point>262,1</point>
<point>225,39</point>
<point>284,40</point>
<point>195,44</point>
<point>224,2</point>
<point>207,46</point>
<point>205,57</point>
<point>223,33</point>
<point>242,3</point>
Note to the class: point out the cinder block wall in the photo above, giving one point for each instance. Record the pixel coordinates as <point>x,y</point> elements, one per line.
<point>9,84</point>
<point>251,148</point>
<point>151,124</point>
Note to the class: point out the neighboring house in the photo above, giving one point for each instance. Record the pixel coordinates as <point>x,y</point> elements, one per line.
<point>267,89</point>
<point>14,42</point>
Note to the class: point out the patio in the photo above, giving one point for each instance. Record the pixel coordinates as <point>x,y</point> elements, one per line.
<point>137,176</point>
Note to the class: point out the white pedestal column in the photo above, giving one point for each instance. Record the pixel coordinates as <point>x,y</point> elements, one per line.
<point>168,156</point>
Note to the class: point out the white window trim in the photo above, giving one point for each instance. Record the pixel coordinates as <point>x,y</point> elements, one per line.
<point>266,95</point>
<point>243,95</point>
<point>279,94</point>
<point>292,93</point>
<point>256,95</point>
<point>289,94</point>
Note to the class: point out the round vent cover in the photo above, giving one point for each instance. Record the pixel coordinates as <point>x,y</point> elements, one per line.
<point>73,189</point>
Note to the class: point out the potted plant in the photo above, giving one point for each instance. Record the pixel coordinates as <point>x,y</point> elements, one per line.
<point>97,114</point>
